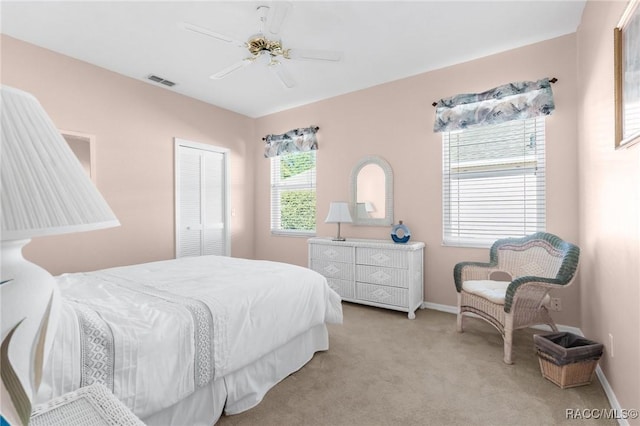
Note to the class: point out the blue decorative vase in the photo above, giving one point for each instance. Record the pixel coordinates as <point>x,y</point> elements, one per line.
<point>400,233</point>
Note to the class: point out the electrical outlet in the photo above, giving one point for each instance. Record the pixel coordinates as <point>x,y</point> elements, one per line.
<point>611,345</point>
<point>555,304</point>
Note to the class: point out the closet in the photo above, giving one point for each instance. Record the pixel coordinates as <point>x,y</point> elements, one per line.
<point>201,199</point>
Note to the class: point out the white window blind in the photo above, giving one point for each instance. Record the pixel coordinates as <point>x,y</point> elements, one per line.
<point>493,182</point>
<point>293,194</point>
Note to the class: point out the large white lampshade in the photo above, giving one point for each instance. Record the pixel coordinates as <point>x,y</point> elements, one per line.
<point>339,213</point>
<point>44,191</point>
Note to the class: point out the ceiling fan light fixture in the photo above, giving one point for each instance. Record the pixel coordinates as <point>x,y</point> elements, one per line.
<point>265,58</point>
<point>268,51</point>
<point>259,43</point>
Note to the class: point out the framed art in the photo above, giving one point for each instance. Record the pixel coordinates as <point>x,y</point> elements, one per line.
<point>627,76</point>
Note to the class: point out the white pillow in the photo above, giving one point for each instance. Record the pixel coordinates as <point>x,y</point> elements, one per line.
<point>494,291</point>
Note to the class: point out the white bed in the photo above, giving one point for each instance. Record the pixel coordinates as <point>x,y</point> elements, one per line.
<point>182,341</point>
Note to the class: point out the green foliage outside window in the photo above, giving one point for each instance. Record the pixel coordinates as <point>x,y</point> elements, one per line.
<point>294,164</point>
<point>297,201</point>
<point>298,210</point>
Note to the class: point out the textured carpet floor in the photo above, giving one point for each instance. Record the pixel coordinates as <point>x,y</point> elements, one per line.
<point>384,369</point>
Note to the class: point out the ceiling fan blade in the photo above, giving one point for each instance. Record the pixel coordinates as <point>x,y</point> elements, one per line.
<point>282,73</point>
<point>277,13</point>
<point>314,55</point>
<point>204,31</point>
<point>231,68</point>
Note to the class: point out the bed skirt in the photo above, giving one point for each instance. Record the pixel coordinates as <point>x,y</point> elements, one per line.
<point>243,389</point>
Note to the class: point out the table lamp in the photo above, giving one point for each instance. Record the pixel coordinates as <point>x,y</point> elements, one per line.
<point>338,213</point>
<point>44,191</point>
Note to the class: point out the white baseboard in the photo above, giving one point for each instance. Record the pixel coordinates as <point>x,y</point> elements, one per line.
<point>615,405</point>
<point>438,307</point>
<point>611,396</point>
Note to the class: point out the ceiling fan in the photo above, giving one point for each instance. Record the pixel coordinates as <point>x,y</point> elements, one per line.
<point>265,46</point>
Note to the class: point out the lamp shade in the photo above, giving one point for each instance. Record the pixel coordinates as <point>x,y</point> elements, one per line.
<point>338,213</point>
<point>44,189</point>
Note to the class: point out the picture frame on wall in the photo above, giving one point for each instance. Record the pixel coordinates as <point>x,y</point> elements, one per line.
<point>627,76</point>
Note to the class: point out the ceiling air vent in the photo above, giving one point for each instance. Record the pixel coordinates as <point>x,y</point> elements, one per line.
<point>160,80</point>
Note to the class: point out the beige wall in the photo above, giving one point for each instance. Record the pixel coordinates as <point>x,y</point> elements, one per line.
<point>395,121</point>
<point>134,124</point>
<point>609,210</point>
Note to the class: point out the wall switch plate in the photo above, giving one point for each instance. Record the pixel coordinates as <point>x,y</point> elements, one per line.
<point>555,304</point>
<point>611,345</point>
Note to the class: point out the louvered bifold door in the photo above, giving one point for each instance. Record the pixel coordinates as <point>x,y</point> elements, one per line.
<point>213,204</point>
<point>201,202</point>
<point>189,232</point>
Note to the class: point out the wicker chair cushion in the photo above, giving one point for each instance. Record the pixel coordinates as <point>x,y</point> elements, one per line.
<point>494,291</point>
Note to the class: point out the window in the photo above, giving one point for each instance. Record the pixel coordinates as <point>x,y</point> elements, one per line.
<point>493,182</point>
<point>293,194</point>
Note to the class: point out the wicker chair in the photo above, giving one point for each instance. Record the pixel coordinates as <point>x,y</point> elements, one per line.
<point>531,267</point>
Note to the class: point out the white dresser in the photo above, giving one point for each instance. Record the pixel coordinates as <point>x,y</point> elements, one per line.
<point>372,272</point>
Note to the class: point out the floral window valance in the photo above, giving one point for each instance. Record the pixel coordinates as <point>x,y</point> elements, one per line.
<point>513,101</point>
<point>296,140</point>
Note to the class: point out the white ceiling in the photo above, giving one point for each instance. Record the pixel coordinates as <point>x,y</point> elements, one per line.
<point>381,41</point>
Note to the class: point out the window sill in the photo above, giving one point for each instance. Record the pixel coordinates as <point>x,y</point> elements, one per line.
<point>468,244</point>
<point>298,234</point>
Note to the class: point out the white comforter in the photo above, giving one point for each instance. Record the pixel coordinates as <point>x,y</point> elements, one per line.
<point>155,332</point>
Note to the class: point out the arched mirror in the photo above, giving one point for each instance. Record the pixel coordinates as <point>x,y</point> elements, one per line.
<point>372,192</point>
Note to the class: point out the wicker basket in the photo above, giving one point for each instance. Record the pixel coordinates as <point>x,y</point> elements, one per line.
<point>568,375</point>
<point>566,359</point>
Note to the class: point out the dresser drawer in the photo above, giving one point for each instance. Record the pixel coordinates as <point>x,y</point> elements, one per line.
<point>372,272</point>
<point>331,253</point>
<point>346,289</point>
<point>338,270</point>
<point>382,294</point>
<point>381,257</point>
<point>379,275</point>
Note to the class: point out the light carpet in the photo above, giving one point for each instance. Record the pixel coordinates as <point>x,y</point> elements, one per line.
<point>384,369</point>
